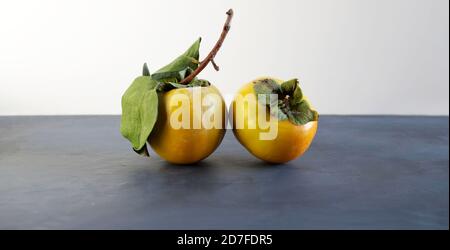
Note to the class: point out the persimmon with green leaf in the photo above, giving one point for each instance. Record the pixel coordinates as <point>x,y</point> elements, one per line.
<point>152,101</point>
<point>293,122</point>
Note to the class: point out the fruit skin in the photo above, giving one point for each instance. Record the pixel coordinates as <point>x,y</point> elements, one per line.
<point>185,146</point>
<point>291,141</point>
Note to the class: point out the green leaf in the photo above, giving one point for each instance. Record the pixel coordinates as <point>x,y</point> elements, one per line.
<point>167,80</point>
<point>199,83</point>
<point>290,104</point>
<point>316,115</point>
<point>302,113</point>
<point>293,90</point>
<point>145,71</point>
<point>278,112</point>
<point>193,51</point>
<point>139,112</point>
<point>177,75</point>
<point>194,83</point>
<point>177,85</point>
<point>182,66</point>
<point>289,87</point>
<point>297,96</point>
<point>266,87</point>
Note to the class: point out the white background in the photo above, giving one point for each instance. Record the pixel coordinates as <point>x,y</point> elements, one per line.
<point>352,56</point>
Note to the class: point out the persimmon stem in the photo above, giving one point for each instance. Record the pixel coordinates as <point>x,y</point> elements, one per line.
<point>216,67</point>
<point>212,54</point>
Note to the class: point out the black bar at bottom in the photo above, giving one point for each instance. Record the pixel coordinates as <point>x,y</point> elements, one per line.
<point>228,239</point>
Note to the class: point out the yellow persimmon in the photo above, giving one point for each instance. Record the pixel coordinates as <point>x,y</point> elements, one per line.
<point>290,141</point>
<point>190,124</point>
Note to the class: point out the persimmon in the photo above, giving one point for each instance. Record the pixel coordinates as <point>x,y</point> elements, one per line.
<point>277,129</point>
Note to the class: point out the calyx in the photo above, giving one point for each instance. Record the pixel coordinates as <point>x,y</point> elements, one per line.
<point>290,103</point>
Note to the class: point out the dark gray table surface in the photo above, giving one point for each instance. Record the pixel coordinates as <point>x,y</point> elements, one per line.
<point>360,173</point>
